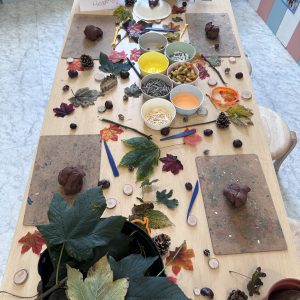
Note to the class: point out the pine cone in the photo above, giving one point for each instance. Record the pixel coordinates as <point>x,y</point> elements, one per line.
<point>162,243</point>
<point>237,295</point>
<point>86,61</point>
<point>222,121</point>
<point>129,2</point>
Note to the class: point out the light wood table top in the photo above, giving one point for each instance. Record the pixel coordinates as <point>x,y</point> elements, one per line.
<point>277,265</point>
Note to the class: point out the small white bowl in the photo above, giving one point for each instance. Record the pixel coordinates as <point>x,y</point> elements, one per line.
<point>189,89</point>
<point>158,103</point>
<point>162,77</point>
<point>153,41</point>
<point>174,65</point>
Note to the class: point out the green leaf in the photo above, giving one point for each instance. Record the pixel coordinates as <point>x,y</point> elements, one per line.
<point>255,283</point>
<point>132,266</point>
<point>79,227</point>
<point>157,219</point>
<point>133,91</point>
<point>240,115</point>
<point>108,66</point>
<point>146,288</point>
<point>122,13</point>
<point>147,182</point>
<point>85,97</point>
<point>98,285</point>
<point>164,198</point>
<point>144,156</point>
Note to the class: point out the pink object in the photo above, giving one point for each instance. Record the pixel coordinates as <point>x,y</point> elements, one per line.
<point>135,54</point>
<point>293,46</point>
<point>116,56</point>
<point>264,8</point>
<point>288,283</point>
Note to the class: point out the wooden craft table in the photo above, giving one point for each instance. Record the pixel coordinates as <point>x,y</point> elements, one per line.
<point>277,265</point>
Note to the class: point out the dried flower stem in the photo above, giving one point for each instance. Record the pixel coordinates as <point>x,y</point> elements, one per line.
<point>215,69</point>
<point>239,274</point>
<point>58,263</point>
<point>127,127</point>
<point>171,260</point>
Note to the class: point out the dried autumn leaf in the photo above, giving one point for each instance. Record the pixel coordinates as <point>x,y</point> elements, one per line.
<point>171,163</point>
<point>63,110</point>
<point>171,25</point>
<point>108,66</point>
<point>111,132</point>
<point>135,28</point>
<point>135,54</point>
<point>172,36</point>
<point>177,19</point>
<point>133,91</point>
<point>178,10</point>
<point>32,240</point>
<point>85,97</point>
<point>192,139</point>
<point>198,59</point>
<point>203,73</point>
<point>182,259</point>
<point>240,115</point>
<point>165,198</point>
<point>75,65</point>
<point>117,56</point>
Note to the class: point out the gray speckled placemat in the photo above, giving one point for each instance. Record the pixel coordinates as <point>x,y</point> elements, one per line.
<point>76,43</point>
<point>226,39</point>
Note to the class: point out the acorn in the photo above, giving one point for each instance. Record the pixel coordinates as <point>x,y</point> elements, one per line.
<point>73,126</point>
<point>206,252</point>
<point>104,184</point>
<point>165,131</point>
<point>184,4</point>
<point>239,75</point>
<point>237,143</point>
<point>207,292</point>
<point>125,98</point>
<point>65,88</point>
<point>72,73</point>
<point>121,117</point>
<point>206,152</point>
<point>207,132</point>
<point>124,74</point>
<point>188,186</point>
<point>108,104</point>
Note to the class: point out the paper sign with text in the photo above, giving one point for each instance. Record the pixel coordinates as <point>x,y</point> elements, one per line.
<point>90,5</point>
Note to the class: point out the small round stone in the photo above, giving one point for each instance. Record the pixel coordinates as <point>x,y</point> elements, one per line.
<point>124,74</point>
<point>239,75</point>
<point>206,252</point>
<point>206,152</point>
<point>207,292</point>
<point>237,143</point>
<point>185,119</point>
<point>21,276</point>
<point>188,186</point>
<point>104,184</point>
<point>121,117</point>
<point>232,60</point>
<point>165,131</point>
<point>72,73</point>
<point>192,220</point>
<point>101,109</point>
<point>125,98</point>
<point>212,82</point>
<point>196,291</point>
<point>65,88</point>
<point>213,263</point>
<point>202,111</point>
<point>98,76</point>
<point>111,203</point>
<point>73,126</point>
<point>108,104</point>
<point>227,71</point>
<point>119,37</point>
<point>246,95</point>
<point>208,132</point>
<point>127,189</point>
<point>184,4</point>
<point>130,168</point>
<point>70,60</point>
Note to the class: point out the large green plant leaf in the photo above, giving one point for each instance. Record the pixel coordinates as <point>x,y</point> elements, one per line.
<point>79,227</point>
<point>165,198</point>
<point>132,266</point>
<point>98,285</point>
<point>85,97</point>
<point>108,66</point>
<point>146,288</point>
<point>144,156</point>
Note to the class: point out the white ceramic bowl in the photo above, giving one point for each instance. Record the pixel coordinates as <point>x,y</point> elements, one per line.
<point>190,89</point>
<point>162,77</point>
<point>158,103</point>
<point>182,47</point>
<point>153,41</point>
<point>174,65</point>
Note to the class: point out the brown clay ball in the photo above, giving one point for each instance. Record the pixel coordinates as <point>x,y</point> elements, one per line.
<point>236,194</point>
<point>71,178</point>
<point>93,33</point>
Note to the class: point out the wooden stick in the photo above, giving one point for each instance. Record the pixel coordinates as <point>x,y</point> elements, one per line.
<point>191,125</point>
<point>214,68</point>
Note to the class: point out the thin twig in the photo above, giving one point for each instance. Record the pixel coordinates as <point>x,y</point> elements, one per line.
<point>127,127</point>
<point>172,259</point>
<point>215,69</point>
<point>17,296</point>
<point>58,263</point>
<point>52,289</point>
<point>191,125</point>
<point>240,274</point>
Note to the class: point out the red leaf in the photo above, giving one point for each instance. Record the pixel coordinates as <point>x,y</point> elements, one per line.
<point>135,28</point>
<point>111,132</point>
<point>178,10</point>
<point>32,240</point>
<point>182,260</point>
<point>63,110</point>
<point>75,65</point>
<point>135,54</point>
<point>172,278</point>
<point>203,73</point>
<point>117,56</point>
<point>192,139</point>
<point>171,163</point>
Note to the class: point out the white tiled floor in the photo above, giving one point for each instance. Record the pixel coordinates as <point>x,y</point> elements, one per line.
<point>31,36</point>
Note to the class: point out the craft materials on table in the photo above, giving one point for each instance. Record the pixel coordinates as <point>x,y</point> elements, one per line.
<point>77,43</point>
<point>53,154</point>
<point>252,227</point>
<point>183,72</point>
<point>227,42</point>
<point>156,87</point>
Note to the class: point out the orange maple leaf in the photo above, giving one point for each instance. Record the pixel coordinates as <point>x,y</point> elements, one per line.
<point>192,139</point>
<point>75,65</point>
<point>182,260</point>
<point>111,132</point>
<point>32,240</point>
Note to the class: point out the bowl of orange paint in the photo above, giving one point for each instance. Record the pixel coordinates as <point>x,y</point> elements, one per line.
<point>186,98</point>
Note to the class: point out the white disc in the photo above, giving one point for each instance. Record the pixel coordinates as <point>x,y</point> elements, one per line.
<point>246,95</point>
<point>20,276</point>
<point>111,203</point>
<point>232,60</point>
<point>70,60</point>
<point>99,76</point>
<point>192,220</point>
<point>213,263</point>
<point>143,11</point>
<point>197,291</point>
<point>101,109</point>
<point>212,82</point>
<point>127,189</point>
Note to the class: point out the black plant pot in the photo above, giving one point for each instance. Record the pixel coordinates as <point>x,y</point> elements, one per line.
<point>139,239</point>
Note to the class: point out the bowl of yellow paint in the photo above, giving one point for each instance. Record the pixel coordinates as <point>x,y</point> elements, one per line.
<point>186,98</point>
<point>153,63</point>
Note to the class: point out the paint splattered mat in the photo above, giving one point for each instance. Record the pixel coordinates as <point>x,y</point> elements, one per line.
<point>53,154</point>
<point>252,228</point>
